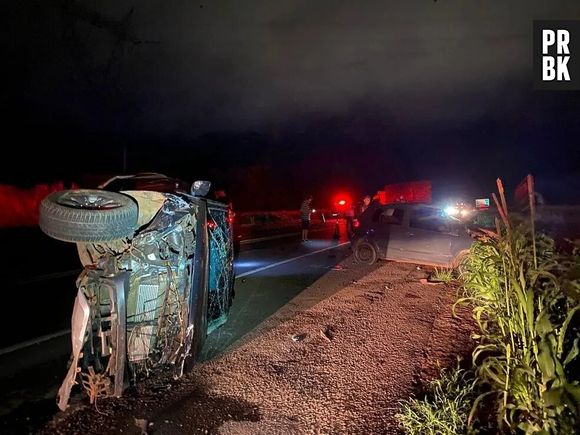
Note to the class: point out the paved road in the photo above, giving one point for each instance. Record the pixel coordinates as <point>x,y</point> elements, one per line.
<point>269,274</point>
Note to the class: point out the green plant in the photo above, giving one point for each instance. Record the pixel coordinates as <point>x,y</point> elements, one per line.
<point>443,275</point>
<point>445,408</point>
<point>524,298</point>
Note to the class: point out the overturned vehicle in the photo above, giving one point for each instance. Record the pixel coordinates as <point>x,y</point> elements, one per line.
<point>157,277</point>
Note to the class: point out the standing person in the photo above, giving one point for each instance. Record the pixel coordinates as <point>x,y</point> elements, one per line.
<point>365,203</point>
<point>350,215</point>
<point>305,211</point>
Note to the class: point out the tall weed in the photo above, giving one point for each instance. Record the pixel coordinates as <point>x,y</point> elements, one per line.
<point>524,298</point>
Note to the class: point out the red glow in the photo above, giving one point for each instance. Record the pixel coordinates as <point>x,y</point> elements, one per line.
<point>414,191</point>
<point>211,225</point>
<point>341,200</point>
<point>20,206</point>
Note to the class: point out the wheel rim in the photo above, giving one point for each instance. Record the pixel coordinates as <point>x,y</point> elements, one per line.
<point>365,253</point>
<point>89,201</point>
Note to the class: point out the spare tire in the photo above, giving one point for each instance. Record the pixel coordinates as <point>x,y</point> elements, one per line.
<point>88,215</point>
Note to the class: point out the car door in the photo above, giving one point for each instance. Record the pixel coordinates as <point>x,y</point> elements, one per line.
<point>429,237</point>
<point>388,225</point>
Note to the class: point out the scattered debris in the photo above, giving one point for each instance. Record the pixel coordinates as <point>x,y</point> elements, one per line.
<point>426,281</point>
<point>142,424</point>
<point>96,384</point>
<point>388,288</point>
<point>299,337</point>
<point>161,387</point>
<point>327,333</point>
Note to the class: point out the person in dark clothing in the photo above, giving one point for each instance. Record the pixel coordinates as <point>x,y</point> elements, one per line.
<point>364,205</point>
<point>305,211</point>
<point>349,216</point>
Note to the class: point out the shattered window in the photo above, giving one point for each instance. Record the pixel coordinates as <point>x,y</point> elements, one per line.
<point>220,267</point>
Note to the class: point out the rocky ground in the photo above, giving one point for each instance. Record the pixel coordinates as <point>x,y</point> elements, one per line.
<point>341,365</point>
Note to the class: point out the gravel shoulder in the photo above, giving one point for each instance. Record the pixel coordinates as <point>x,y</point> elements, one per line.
<point>321,364</point>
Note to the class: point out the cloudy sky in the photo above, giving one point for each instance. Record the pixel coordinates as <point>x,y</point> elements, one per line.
<point>413,89</point>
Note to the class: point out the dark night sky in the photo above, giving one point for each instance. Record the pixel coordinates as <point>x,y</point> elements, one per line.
<point>285,97</point>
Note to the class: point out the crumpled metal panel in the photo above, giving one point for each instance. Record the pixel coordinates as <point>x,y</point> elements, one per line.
<point>173,210</point>
<point>79,323</point>
<point>136,290</point>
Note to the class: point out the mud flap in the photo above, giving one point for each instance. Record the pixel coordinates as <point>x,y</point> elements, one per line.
<point>79,322</point>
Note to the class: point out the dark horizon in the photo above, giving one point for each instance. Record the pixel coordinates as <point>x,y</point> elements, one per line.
<point>277,101</point>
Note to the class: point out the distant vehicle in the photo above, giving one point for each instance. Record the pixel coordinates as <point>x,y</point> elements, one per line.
<point>414,233</point>
<point>158,277</point>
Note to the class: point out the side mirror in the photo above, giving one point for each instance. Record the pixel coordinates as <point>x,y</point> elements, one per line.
<point>200,187</point>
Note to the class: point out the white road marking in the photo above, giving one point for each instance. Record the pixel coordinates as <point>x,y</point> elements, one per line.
<point>49,276</point>
<point>269,266</point>
<point>34,341</point>
<point>54,335</point>
<point>277,236</point>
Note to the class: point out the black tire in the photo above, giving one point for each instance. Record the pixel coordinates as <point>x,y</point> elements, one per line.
<point>364,252</point>
<point>88,216</point>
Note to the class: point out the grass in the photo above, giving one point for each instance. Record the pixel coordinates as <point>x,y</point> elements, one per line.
<point>443,275</point>
<point>445,408</point>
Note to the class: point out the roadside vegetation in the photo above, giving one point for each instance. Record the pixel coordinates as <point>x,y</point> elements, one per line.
<point>444,274</point>
<point>524,295</point>
<point>445,409</point>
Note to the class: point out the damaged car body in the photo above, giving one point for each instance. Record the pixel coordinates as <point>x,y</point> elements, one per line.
<point>157,277</point>
<point>408,232</point>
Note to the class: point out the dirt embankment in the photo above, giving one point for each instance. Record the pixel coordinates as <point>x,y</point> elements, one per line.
<point>340,366</point>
